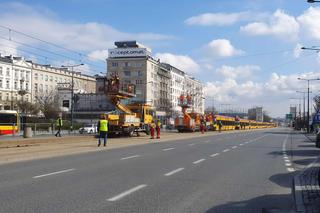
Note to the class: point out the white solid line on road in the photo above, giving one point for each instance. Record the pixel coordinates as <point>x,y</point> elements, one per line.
<point>191,144</point>
<point>53,173</point>
<point>199,161</point>
<point>167,149</point>
<point>174,171</point>
<point>290,169</point>
<point>215,154</point>
<point>129,157</point>
<point>234,147</point>
<point>123,194</point>
<point>226,150</point>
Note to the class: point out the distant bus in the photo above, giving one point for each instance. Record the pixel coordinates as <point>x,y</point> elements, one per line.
<point>9,122</point>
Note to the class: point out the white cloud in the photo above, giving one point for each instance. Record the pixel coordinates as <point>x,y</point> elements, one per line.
<point>219,19</point>
<point>280,25</point>
<point>273,94</point>
<point>297,50</point>
<point>242,72</point>
<point>90,37</point>
<point>101,55</point>
<point>183,62</point>
<point>221,48</point>
<point>309,22</point>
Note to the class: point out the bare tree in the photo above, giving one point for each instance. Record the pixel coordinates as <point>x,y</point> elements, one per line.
<point>28,108</point>
<point>48,104</point>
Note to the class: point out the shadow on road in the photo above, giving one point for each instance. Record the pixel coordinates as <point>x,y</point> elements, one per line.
<point>304,162</point>
<point>303,153</point>
<point>284,179</point>
<point>261,204</point>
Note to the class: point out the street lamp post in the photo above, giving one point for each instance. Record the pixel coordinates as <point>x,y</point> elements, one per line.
<point>308,113</point>
<point>72,88</point>
<point>304,105</point>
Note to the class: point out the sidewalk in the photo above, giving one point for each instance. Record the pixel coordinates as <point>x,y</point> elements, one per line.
<point>306,188</point>
<point>23,149</point>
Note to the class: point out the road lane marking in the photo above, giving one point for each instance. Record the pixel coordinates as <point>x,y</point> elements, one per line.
<point>167,149</point>
<point>174,171</point>
<point>126,193</point>
<point>215,154</point>
<point>234,147</point>
<point>226,150</point>
<point>207,141</point>
<point>290,169</point>
<point>288,164</point>
<point>54,173</point>
<point>240,144</point>
<point>191,144</point>
<point>199,161</point>
<point>129,157</point>
<point>246,142</point>
<point>287,161</point>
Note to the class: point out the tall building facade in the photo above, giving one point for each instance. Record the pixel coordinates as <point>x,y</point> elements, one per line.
<point>21,79</point>
<point>158,84</point>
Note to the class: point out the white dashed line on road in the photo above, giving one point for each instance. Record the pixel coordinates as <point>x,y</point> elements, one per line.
<point>53,173</point>
<point>290,169</point>
<point>215,154</point>
<point>234,147</point>
<point>240,144</point>
<point>199,161</point>
<point>226,150</point>
<point>167,149</point>
<point>174,172</point>
<point>123,194</point>
<point>288,164</point>
<point>129,157</point>
<point>191,144</point>
<point>208,141</point>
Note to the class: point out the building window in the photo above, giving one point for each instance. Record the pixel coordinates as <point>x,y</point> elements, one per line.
<point>15,85</point>
<point>114,64</point>
<point>56,79</point>
<point>27,76</point>
<point>41,77</point>
<point>0,96</point>
<point>139,73</point>
<point>126,64</point>
<point>36,76</point>
<point>8,71</point>
<point>27,86</point>
<point>41,88</point>
<point>51,78</point>
<point>46,78</point>
<point>36,87</point>
<point>127,73</point>
<point>46,90</point>
<point>0,83</point>
<point>22,74</point>
<point>7,84</point>
<point>7,97</point>
<point>21,85</point>
<point>0,70</point>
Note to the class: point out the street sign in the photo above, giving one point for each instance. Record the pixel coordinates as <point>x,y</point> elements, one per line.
<point>316,118</point>
<point>289,116</point>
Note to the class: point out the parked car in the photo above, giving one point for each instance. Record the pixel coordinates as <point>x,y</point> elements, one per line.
<point>88,128</point>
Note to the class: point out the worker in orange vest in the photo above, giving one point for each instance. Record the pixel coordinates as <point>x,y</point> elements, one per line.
<point>152,129</point>
<point>158,129</point>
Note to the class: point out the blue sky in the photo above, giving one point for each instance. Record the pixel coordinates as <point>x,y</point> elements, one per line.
<point>246,52</point>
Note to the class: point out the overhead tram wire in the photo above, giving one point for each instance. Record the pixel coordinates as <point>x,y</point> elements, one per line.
<point>51,52</point>
<point>44,57</point>
<point>47,42</point>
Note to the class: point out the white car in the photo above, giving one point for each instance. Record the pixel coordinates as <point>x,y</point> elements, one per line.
<point>88,128</point>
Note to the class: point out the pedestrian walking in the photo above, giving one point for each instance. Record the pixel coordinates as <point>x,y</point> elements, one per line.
<point>102,128</point>
<point>158,126</point>
<point>220,125</point>
<point>59,124</point>
<point>202,127</point>
<point>152,129</point>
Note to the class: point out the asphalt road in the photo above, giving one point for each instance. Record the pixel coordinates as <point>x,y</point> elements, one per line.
<point>229,172</point>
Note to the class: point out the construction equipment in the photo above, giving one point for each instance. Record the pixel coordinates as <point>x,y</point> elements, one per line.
<point>188,122</point>
<point>132,118</point>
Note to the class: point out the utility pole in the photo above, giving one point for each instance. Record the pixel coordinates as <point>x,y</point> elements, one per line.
<point>72,90</point>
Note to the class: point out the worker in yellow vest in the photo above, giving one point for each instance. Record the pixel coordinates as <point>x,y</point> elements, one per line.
<point>103,130</point>
<point>158,126</point>
<point>59,124</point>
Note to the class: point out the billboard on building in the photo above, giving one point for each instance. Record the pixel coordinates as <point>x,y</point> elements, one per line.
<point>127,52</point>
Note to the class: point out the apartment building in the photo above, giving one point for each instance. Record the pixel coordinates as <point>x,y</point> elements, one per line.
<point>158,84</point>
<point>22,79</point>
